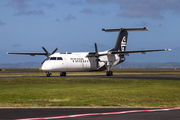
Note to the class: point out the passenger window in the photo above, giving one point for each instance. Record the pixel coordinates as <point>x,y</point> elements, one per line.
<point>53,58</point>
<point>59,58</point>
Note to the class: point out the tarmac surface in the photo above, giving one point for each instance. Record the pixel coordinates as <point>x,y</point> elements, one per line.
<point>89,114</point>
<point>85,113</point>
<point>135,74</point>
<point>129,76</point>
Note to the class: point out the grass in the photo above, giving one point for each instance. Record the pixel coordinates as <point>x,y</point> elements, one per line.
<point>89,92</point>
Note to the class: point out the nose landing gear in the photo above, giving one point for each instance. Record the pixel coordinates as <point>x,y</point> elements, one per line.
<point>48,74</point>
<point>63,74</point>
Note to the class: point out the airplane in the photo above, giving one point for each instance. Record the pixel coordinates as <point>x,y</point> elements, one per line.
<point>90,61</point>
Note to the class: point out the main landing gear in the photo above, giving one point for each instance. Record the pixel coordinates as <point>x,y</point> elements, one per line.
<point>108,66</point>
<point>109,73</point>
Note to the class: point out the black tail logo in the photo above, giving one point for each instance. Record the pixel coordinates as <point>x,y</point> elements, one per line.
<point>123,44</point>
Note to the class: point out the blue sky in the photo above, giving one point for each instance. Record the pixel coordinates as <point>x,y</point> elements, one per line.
<point>74,26</point>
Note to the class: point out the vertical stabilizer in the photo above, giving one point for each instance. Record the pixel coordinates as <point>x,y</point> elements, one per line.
<point>121,41</point>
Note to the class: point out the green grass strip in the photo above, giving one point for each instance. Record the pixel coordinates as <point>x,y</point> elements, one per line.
<point>19,92</point>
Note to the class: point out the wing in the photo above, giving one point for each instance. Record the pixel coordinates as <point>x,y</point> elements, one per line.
<point>137,51</point>
<point>32,54</point>
<point>92,54</point>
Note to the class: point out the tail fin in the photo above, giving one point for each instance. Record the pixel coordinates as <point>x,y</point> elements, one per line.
<point>121,41</point>
<point>122,37</point>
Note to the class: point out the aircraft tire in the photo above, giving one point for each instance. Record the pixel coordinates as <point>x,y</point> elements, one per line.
<point>48,75</point>
<point>109,73</point>
<point>63,74</point>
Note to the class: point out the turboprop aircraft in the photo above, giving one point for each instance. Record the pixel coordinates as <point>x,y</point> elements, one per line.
<point>90,61</point>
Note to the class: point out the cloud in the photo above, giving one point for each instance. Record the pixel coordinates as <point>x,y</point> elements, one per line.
<point>1,23</point>
<point>16,45</point>
<point>69,17</point>
<point>100,11</point>
<point>142,8</point>
<point>18,4</point>
<point>142,24</point>
<point>74,2</point>
<point>58,20</point>
<point>33,12</point>
<point>160,25</point>
<point>87,11</point>
<point>101,1</point>
<point>23,7</point>
<point>48,6</point>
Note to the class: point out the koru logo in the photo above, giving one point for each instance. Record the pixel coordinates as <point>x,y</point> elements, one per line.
<point>123,43</point>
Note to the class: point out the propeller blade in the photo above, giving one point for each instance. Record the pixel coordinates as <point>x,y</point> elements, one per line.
<point>96,50</point>
<point>44,49</point>
<point>54,51</point>
<point>97,64</point>
<point>47,53</point>
<point>97,56</point>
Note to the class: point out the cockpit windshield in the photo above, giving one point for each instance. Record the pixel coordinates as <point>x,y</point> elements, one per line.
<point>54,58</point>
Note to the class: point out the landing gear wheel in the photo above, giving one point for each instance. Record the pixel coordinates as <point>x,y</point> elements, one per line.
<point>48,74</point>
<point>63,74</point>
<point>109,73</point>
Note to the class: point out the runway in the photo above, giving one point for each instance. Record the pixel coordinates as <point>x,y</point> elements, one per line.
<point>126,76</point>
<point>159,74</point>
<point>90,113</point>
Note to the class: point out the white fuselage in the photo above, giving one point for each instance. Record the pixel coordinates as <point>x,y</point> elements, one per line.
<point>78,62</point>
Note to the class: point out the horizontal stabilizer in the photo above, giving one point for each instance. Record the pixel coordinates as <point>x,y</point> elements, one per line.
<point>127,29</point>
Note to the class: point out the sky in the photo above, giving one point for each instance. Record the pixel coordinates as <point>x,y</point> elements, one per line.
<point>74,26</point>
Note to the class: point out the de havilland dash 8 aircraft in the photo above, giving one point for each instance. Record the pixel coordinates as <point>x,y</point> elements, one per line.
<point>90,61</point>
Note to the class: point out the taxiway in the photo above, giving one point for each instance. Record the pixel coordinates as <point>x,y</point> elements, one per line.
<point>90,113</point>
<point>126,76</point>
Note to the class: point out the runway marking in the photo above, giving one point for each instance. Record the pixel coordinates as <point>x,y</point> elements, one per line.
<point>106,113</point>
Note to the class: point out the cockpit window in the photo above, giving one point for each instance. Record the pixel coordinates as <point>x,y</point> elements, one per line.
<point>59,58</point>
<point>53,58</point>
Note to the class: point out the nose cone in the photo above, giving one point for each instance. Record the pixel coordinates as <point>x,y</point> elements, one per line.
<point>46,67</point>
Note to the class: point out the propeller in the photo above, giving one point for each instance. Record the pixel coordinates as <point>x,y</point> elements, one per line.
<point>47,53</point>
<point>97,56</point>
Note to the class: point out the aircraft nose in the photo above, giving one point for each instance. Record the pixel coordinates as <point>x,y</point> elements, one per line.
<point>45,67</point>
